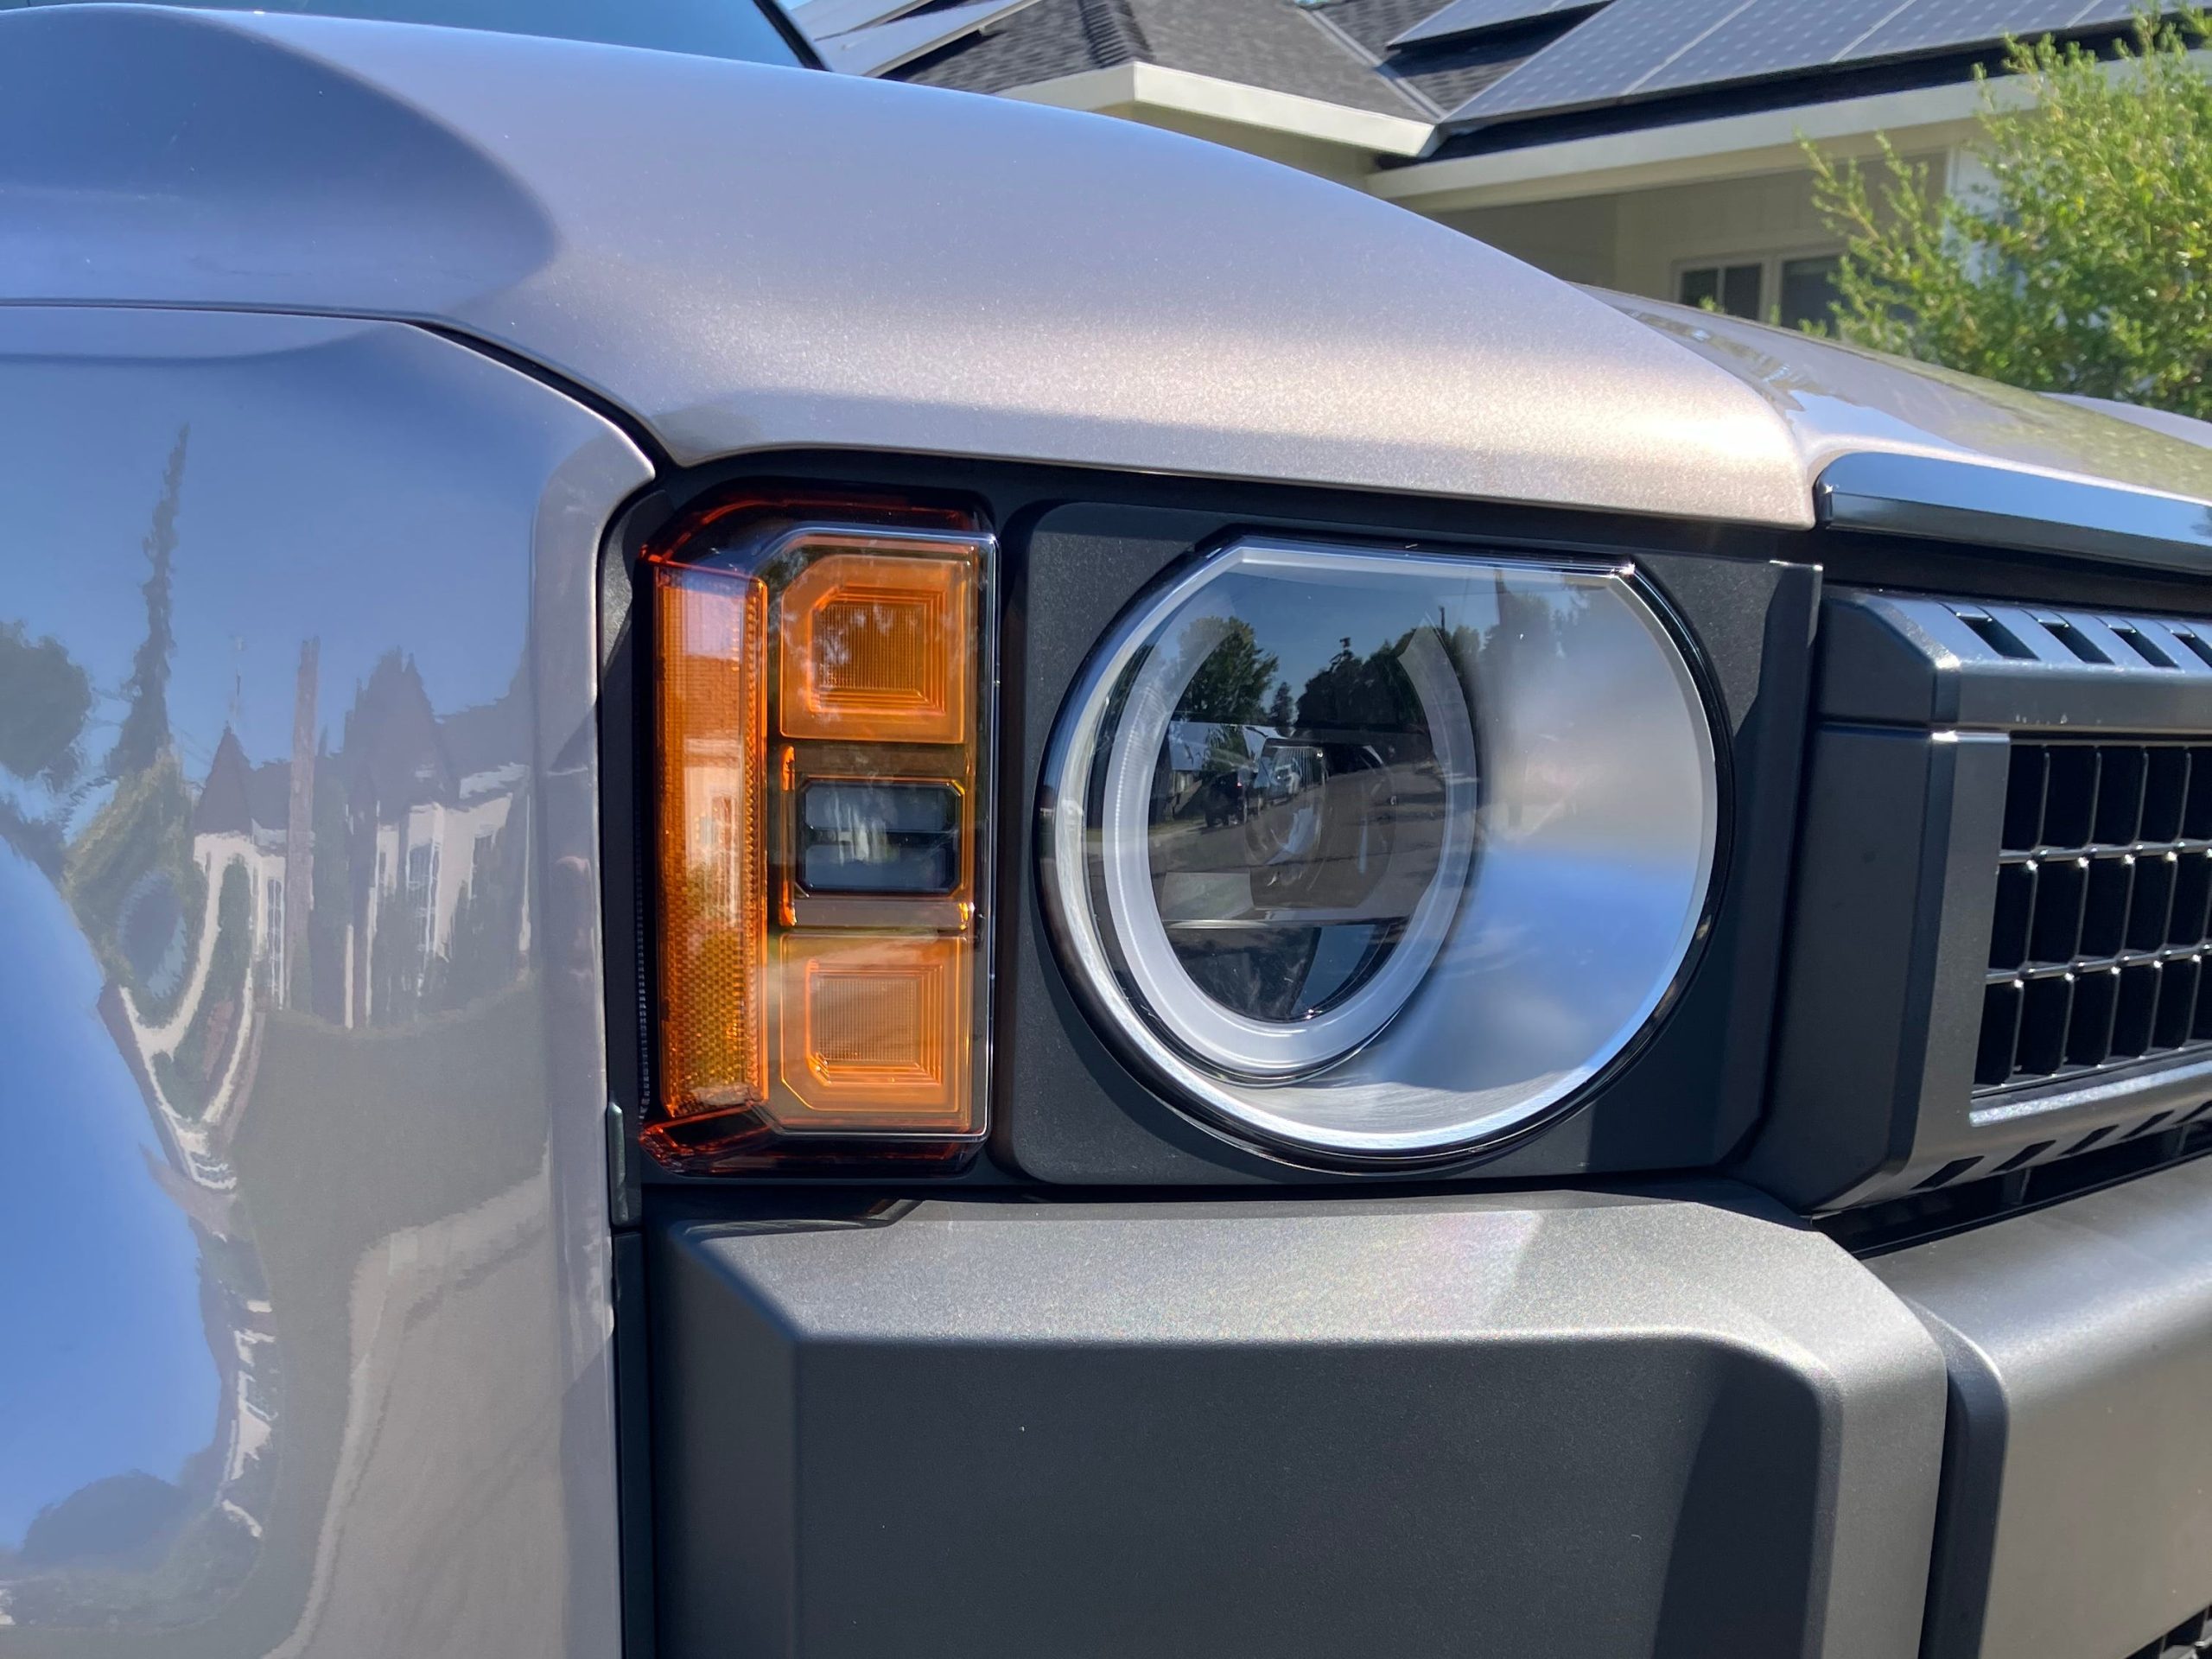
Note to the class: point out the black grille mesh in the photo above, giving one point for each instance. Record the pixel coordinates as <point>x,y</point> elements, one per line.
<point>2190,1639</point>
<point>2103,924</point>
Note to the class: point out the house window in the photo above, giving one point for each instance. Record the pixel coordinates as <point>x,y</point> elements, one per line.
<point>1808,292</point>
<point>1732,289</point>
<point>273,935</point>
<point>1791,289</point>
<point>422,890</point>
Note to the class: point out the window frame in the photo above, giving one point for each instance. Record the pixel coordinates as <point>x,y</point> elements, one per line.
<point>1769,262</point>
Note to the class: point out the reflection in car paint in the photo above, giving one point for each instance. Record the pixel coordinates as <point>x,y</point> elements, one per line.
<point>366,886</point>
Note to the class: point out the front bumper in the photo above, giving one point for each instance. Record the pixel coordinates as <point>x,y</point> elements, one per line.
<point>1520,1426</point>
<point>2078,1473</point>
<point>1675,1423</point>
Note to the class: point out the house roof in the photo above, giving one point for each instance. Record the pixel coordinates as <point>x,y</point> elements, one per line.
<point>397,752</point>
<point>1478,71</point>
<point>225,804</point>
<point>1267,43</point>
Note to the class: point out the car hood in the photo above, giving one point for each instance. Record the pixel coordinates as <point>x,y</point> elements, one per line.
<point>1840,399</point>
<point>748,258</point>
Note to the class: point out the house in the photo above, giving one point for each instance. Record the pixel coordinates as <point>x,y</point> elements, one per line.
<point>1645,145</point>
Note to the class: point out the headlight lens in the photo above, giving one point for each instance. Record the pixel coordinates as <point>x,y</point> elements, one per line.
<point>1380,855</point>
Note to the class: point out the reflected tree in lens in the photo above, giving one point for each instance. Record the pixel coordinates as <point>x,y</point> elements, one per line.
<point>1310,820</point>
<point>1231,685</point>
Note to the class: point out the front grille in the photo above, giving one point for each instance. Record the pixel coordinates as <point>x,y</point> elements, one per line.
<point>2190,1639</point>
<point>2001,954</point>
<point>2103,917</point>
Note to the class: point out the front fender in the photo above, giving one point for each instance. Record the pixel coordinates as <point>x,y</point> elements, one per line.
<point>302,1264</point>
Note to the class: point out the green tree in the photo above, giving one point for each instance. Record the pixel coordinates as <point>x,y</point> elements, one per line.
<point>2085,266</point>
<point>1231,684</point>
<point>44,698</point>
<point>145,733</point>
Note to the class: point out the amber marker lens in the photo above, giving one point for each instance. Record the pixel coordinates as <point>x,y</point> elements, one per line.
<point>876,648</point>
<point>713,870</point>
<point>875,1035</point>
<point>822,705</point>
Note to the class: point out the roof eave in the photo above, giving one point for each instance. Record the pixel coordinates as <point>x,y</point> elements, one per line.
<point>1158,90</point>
<point>1721,147</point>
<point>1731,146</point>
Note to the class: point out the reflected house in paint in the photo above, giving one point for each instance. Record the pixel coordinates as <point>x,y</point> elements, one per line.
<point>436,831</point>
<point>368,886</point>
<point>403,895</point>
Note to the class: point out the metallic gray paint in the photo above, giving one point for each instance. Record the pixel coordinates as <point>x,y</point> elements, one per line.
<point>1673,1424</point>
<point>1840,401</point>
<point>304,1270</point>
<point>339,1382</point>
<point>1237,319</point>
<point>2184,427</point>
<point>750,257</point>
<point>2080,1344</point>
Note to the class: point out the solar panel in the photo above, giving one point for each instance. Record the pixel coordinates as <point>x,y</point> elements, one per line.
<point>1473,16</point>
<point>1601,58</point>
<point>1641,48</point>
<point>1931,25</point>
<point>878,51</point>
<point>819,19</point>
<point>1771,37</point>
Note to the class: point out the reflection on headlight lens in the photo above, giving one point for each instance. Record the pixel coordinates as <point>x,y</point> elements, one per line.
<point>1380,854</point>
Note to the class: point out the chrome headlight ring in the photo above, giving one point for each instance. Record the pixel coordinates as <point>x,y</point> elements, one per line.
<point>1552,769</point>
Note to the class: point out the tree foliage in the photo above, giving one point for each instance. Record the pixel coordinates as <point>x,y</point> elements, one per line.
<point>145,731</point>
<point>1231,683</point>
<point>2086,266</point>
<point>44,700</point>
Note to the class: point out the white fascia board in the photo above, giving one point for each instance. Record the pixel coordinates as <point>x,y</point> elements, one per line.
<point>1726,147</point>
<point>1731,146</point>
<point>1156,89</point>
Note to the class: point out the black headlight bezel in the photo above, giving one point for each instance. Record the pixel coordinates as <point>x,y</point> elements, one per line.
<point>1217,1098</point>
<point>1066,1108</point>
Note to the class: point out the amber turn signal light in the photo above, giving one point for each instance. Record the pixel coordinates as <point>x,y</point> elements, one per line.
<point>822,687</point>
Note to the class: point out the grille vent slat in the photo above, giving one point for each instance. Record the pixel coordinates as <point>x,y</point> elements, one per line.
<point>2103,920</point>
<point>2190,1639</point>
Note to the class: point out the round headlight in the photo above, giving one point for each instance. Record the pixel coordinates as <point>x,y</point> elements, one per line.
<point>1377,855</point>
